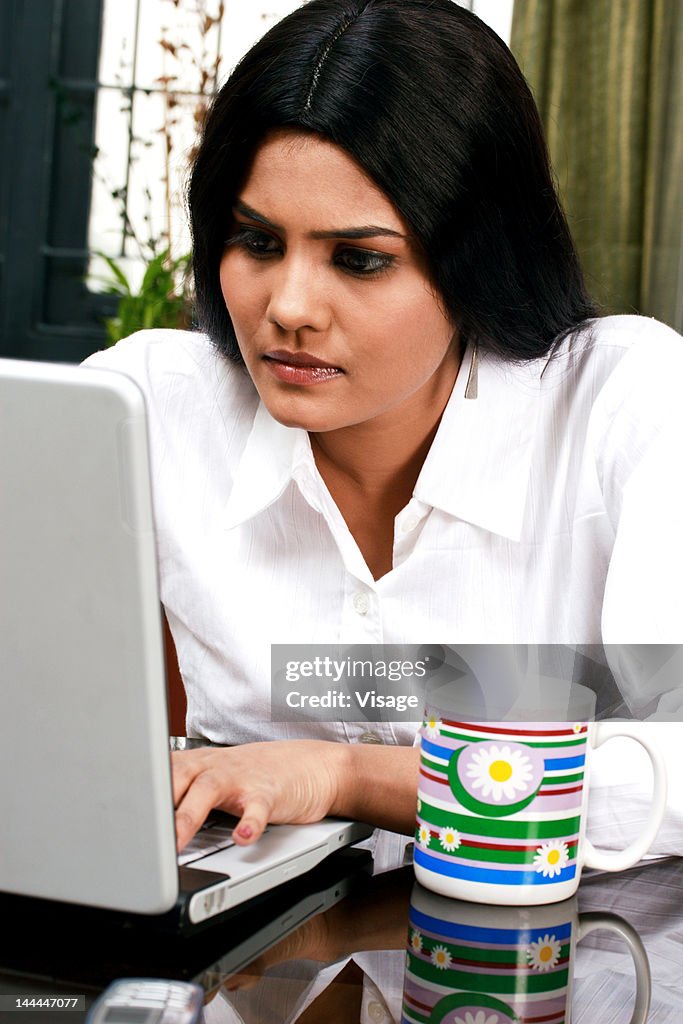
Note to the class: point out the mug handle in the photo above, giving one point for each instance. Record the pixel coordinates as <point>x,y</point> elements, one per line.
<point>619,860</point>
<point>595,920</point>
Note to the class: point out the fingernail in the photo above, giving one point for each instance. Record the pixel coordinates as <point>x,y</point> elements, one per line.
<point>245,831</point>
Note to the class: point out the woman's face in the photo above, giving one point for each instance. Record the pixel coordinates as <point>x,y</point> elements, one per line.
<point>334,314</point>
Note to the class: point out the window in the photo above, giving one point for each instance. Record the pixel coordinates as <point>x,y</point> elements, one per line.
<point>159,64</point>
<point>48,64</point>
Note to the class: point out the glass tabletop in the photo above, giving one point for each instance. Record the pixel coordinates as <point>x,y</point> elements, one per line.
<point>342,945</point>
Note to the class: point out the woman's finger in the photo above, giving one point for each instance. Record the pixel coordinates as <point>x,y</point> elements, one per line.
<point>255,816</point>
<point>200,797</point>
<point>185,766</point>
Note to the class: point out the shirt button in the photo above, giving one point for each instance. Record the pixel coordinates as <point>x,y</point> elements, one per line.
<point>361,603</point>
<point>370,737</point>
<point>409,524</point>
<point>376,1011</point>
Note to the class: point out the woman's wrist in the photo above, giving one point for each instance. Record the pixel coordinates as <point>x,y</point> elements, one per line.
<point>375,784</point>
<point>340,766</point>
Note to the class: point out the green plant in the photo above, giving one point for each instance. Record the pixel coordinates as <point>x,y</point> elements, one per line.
<point>162,299</point>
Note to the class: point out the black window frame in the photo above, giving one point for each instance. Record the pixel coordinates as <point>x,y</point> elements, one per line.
<point>49,56</point>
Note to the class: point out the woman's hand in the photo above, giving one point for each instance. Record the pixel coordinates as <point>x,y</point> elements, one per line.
<point>293,781</point>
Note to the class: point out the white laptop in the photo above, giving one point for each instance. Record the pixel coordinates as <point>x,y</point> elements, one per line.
<point>85,788</point>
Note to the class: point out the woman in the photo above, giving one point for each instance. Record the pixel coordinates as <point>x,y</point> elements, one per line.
<point>402,421</point>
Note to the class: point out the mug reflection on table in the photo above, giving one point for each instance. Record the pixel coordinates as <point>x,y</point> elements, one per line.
<point>470,964</point>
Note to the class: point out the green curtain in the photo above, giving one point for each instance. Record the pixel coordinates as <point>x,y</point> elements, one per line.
<point>608,79</point>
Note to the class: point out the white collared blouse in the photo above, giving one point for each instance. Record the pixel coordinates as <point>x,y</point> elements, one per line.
<point>549,510</point>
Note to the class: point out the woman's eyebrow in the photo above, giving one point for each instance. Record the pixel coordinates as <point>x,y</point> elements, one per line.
<point>366,231</point>
<point>247,211</point>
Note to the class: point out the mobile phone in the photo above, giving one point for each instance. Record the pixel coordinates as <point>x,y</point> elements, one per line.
<point>148,1001</point>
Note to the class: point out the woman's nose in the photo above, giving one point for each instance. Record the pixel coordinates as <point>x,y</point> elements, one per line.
<point>297,296</point>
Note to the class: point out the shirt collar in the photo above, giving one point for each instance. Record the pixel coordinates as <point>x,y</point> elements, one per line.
<point>478,465</point>
<point>271,459</point>
<point>477,468</point>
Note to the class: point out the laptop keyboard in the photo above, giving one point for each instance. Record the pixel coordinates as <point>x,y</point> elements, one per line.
<point>214,835</point>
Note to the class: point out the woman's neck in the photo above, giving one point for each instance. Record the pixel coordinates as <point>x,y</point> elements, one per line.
<point>374,464</point>
<point>371,468</point>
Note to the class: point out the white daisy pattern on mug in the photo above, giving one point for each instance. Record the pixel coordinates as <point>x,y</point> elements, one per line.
<point>441,958</point>
<point>551,858</point>
<point>481,1017</point>
<point>415,941</point>
<point>423,836</point>
<point>544,953</point>
<point>500,771</point>
<point>449,838</point>
<point>432,727</point>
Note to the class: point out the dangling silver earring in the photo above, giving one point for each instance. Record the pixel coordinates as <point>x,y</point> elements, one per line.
<point>472,386</point>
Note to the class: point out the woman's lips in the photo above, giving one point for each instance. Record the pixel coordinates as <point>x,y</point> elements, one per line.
<point>300,367</point>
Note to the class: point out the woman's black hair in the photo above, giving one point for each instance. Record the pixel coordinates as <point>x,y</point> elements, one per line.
<point>432,105</point>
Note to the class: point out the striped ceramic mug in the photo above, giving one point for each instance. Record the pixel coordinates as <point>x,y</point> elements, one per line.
<point>501,808</point>
<point>470,964</point>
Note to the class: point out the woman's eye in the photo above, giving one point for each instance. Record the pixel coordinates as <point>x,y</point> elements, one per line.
<point>363,262</point>
<point>257,243</point>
